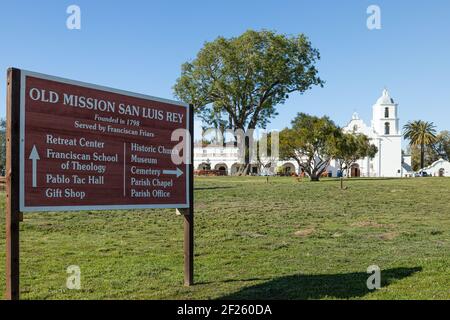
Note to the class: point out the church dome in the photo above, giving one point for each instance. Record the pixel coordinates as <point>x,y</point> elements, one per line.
<point>385,98</point>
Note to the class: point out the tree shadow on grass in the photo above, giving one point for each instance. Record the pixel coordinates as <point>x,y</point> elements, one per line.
<point>302,287</point>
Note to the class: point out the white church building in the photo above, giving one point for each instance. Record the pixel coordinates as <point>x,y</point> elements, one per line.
<point>384,132</point>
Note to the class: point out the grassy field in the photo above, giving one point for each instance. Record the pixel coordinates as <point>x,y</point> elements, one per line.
<point>282,239</point>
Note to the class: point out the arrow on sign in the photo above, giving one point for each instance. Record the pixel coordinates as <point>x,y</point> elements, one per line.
<point>34,156</point>
<point>177,172</point>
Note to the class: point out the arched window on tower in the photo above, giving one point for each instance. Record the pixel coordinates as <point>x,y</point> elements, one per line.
<point>386,112</point>
<point>387,128</point>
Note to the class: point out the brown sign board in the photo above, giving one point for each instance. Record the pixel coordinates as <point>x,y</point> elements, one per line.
<point>86,147</point>
<point>77,146</point>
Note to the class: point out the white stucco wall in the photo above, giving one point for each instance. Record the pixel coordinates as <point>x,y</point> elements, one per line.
<point>391,156</point>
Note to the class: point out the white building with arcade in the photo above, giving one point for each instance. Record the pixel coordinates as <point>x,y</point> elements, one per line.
<point>384,132</point>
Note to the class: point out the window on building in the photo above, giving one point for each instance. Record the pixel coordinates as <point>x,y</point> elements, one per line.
<point>386,112</point>
<point>387,128</point>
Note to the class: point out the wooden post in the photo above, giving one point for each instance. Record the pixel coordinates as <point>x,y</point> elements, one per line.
<point>188,245</point>
<point>188,249</point>
<point>189,214</point>
<point>12,184</point>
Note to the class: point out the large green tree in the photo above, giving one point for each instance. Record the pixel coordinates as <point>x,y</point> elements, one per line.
<point>351,147</point>
<point>311,141</point>
<point>422,134</point>
<point>237,82</point>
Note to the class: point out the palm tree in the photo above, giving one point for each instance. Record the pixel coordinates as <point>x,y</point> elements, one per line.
<point>420,133</point>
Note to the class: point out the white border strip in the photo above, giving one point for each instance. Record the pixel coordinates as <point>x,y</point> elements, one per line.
<point>23,208</point>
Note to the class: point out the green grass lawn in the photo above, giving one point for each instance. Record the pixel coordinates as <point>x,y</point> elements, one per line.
<point>254,240</point>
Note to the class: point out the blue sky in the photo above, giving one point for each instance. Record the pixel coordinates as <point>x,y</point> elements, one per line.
<point>140,45</point>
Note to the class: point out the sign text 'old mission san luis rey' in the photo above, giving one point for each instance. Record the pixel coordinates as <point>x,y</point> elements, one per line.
<point>84,146</point>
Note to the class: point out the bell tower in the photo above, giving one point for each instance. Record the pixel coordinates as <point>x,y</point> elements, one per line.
<point>385,124</point>
<point>385,121</point>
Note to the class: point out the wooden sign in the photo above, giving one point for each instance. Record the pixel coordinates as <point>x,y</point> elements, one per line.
<point>89,147</point>
<point>78,146</point>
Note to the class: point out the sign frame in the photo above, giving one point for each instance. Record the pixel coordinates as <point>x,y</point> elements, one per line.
<point>23,157</point>
<point>15,157</point>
